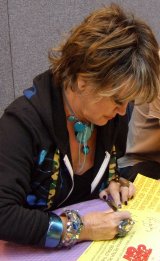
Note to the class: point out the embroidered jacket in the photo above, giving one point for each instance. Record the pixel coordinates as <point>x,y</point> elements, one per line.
<point>33,145</point>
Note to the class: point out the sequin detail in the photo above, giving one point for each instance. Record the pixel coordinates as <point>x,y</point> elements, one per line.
<point>42,157</point>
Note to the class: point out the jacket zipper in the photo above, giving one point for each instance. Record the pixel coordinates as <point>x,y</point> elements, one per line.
<point>70,170</point>
<point>101,171</point>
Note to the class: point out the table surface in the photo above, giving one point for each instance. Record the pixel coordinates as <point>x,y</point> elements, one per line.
<point>14,252</point>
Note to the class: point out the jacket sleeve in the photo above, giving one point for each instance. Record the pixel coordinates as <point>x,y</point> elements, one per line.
<point>18,223</point>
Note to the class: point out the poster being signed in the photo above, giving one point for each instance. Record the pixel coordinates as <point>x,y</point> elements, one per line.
<point>142,242</point>
<point>147,194</point>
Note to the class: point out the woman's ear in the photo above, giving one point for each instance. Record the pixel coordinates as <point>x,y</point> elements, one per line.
<point>81,84</point>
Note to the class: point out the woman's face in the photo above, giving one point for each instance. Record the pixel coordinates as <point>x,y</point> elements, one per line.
<point>97,111</point>
<point>102,111</point>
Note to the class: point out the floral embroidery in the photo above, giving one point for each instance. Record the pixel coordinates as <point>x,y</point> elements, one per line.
<point>44,185</point>
<point>45,180</point>
<point>113,173</point>
<point>54,177</point>
<point>113,166</point>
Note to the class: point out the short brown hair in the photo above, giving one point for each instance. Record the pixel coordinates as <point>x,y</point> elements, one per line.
<point>110,48</point>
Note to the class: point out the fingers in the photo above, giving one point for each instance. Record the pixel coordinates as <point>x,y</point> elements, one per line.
<point>102,225</point>
<point>121,191</point>
<point>121,215</point>
<point>117,219</point>
<point>127,192</point>
<point>103,194</point>
<point>124,195</point>
<point>132,190</point>
<point>114,191</point>
<point>109,200</point>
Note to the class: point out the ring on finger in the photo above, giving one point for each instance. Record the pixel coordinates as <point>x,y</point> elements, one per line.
<point>124,227</point>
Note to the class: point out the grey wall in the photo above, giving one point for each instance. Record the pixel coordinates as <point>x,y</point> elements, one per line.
<point>28,28</point>
<point>6,76</point>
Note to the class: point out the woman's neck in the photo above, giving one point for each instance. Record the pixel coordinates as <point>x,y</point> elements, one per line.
<point>73,105</point>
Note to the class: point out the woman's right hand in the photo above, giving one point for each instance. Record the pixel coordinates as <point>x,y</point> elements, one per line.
<point>102,225</point>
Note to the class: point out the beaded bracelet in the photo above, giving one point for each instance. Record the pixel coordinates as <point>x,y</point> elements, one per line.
<point>74,227</point>
<point>55,230</point>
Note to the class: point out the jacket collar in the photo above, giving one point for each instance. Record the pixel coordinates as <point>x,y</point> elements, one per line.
<point>61,135</point>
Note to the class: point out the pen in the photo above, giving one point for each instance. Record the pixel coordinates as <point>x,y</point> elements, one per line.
<point>110,202</point>
<point>125,225</point>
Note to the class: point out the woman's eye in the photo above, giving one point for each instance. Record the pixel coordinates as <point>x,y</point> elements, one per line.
<point>119,103</point>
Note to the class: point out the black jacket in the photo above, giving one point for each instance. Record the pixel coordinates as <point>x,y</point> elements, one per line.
<point>32,129</point>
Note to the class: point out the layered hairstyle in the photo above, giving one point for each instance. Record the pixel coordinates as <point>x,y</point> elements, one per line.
<point>113,51</point>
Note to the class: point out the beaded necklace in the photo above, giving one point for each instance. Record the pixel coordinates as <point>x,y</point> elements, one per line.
<point>83,131</point>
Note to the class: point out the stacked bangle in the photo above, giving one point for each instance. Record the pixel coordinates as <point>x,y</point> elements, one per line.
<point>55,230</point>
<point>74,227</point>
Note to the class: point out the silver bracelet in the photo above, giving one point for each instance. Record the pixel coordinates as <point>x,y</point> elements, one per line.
<point>74,227</point>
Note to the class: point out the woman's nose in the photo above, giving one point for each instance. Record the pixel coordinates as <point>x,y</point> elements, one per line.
<point>121,109</point>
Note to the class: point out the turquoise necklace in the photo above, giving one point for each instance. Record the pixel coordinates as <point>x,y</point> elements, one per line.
<point>83,131</point>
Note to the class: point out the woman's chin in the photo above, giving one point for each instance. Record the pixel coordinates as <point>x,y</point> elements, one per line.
<point>102,122</point>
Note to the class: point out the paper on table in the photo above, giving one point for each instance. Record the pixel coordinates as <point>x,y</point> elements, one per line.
<point>140,242</point>
<point>147,194</point>
<point>144,232</point>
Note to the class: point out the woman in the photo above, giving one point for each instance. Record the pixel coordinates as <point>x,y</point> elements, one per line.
<point>58,143</point>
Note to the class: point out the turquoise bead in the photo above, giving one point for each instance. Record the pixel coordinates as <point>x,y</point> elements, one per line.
<point>85,150</point>
<point>84,136</point>
<point>79,126</point>
<point>71,118</point>
<point>83,132</point>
